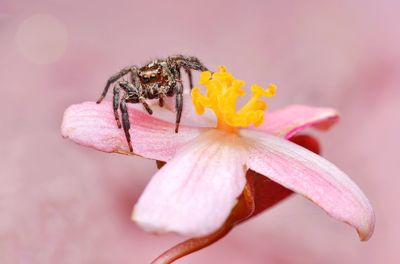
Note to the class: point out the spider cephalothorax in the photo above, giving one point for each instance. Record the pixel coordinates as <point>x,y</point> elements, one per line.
<point>155,80</point>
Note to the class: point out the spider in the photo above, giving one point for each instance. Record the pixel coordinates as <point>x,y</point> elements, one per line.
<point>155,80</point>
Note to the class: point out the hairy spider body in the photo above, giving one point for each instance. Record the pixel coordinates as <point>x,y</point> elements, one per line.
<point>156,80</point>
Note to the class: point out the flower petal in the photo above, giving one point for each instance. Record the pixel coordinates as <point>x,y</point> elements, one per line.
<point>259,194</point>
<point>309,174</point>
<point>242,210</point>
<point>292,119</point>
<point>267,193</point>
<point>195,191</point>
<point>93,125</point>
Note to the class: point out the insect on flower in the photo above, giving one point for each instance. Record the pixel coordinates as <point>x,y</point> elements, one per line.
<point>156,80</point>
<point>219,175</point>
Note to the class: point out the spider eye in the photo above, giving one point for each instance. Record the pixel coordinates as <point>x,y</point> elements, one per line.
<point>146,78</point>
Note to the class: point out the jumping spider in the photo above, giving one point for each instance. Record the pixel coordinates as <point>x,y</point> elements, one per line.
<point>156,80</point>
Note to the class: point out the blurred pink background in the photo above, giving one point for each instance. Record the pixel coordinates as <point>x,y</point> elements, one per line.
<point>63,203</point>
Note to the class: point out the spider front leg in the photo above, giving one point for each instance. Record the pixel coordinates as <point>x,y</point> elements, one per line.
<point>146,106</point>
<point>113,79</point>
<point>178,104</point>
<point>188,62</point>
<point>133,94</point>
<point>115,103</point>
<point>189,74</point>
<point>125,123</point>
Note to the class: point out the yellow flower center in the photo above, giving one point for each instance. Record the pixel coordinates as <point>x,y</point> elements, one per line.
<point>222,93</point>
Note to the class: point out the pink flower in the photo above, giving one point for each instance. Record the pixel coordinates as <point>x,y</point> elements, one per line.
<point>203,190</point>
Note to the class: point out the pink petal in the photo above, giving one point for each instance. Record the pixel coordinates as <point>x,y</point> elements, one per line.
<point>93,125</point>
<point>195,191</point>
<point>292,119</point>
<point>259,194</point>
<point>267,193</point>
<point>307,173</point>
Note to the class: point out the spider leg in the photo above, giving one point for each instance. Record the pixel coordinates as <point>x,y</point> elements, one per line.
<point>188,62</point>
<point>134,95</point>
<point>125,123</point>
<point>189,74</point>
<point>112,79</point>
<point>135,79</point>
<point>117,89</point>
<point>146,106</point>
<point>161,101</point>
<point>178,104</point>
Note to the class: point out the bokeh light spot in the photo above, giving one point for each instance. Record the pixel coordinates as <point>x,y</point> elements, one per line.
<point>42,39</point>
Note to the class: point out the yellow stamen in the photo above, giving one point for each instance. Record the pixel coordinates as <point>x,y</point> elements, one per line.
<point>222,93</point>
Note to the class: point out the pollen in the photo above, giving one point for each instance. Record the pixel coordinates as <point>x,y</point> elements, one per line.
<point>222,92</point>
